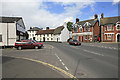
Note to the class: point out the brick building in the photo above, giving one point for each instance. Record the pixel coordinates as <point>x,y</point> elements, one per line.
<point>86,31</point>
<point>110,29</point>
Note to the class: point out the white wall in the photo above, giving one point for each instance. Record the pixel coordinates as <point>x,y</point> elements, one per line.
<point>11,34</point>
<point>64,33</point>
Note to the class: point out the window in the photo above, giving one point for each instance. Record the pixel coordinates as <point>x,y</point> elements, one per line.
<point>0,38</point>
<point>73,29</point>
<point>109,37</point>
<point>47,38</point>
<point>85,28</point>
<point>47,35</point>
<point>85,37</point>
<point>109,27</point>
<point>118,27</point>
<point>105,36</point>
<point>88,28</point>
<point>89,37</point>
<point>105,28</point>
<point>80,29</point>
<point>51,35</point>
<point>51,38</point>
<point>76,29</point>
<point>32,34</point>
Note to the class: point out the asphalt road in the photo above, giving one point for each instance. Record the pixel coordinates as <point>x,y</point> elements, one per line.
<point>85,61</point>
<point>20,68</point>
<point>88,61</point>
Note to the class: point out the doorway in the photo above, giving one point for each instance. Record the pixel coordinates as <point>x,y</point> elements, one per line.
<point>43,39</point>
<point>118,38</point>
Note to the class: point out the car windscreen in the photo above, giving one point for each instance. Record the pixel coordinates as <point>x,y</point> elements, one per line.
<point>75,41</point>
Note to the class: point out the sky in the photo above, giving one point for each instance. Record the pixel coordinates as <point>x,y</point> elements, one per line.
<point>52,13</point>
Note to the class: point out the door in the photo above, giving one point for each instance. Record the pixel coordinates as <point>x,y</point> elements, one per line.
<point>43,39</point>
<point>118,38</point>
<point>33,38</point>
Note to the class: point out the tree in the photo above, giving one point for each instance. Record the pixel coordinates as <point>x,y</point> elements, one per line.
<point>70,26</point>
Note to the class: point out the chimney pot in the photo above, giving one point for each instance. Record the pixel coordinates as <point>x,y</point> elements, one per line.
<point>102,15</point>
<point>47,28</point>
<point>77,20</point>
<point>95,16</point>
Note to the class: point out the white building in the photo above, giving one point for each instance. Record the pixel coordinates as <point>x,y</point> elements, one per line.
<point>32,32</point>
<point>11,30</point>
<point>61,34</point>
<point>45,35</point>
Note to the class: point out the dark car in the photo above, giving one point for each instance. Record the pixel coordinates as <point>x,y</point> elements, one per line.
<point>74,42</point>
<point>21,45</point>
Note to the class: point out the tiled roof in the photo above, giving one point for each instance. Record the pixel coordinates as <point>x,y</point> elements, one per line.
<point>34,29</point>
<point>50,31</point>
<point>109,20</point>
<point>58,30</point>
<point>9,19</point>
<point>91,21</point>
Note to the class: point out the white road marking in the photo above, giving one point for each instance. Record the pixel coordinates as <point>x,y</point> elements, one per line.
<point>94,53</point>
<point>61,62</point>
<point>66,68</point>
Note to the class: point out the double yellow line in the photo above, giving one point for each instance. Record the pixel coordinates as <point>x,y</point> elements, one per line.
<point>50,65</point>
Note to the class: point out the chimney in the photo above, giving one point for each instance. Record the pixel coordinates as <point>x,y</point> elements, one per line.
<point>30,27</point>
<point>77,20</point>
<point>47,28</point>
<point>95,16</point>
<point>102,15</point>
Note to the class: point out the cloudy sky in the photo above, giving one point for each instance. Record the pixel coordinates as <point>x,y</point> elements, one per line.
<point>53,13</point>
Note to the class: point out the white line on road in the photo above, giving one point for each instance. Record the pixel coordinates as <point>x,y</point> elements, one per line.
<point>61,62</point>
<point>66,68</point>
<point>94,53</point>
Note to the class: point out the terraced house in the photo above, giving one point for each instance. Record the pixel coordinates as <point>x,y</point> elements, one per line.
<point>110,29</point>
<point>45,35</point>
<point>86,31</point>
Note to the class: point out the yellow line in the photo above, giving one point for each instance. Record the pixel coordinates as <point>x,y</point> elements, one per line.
<point>50,65</point>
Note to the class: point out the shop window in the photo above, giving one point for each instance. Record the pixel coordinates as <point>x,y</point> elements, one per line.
<point>80,29</point>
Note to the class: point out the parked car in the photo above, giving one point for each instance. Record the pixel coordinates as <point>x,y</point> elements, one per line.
<point>74,42</point>
<point>21,45</point>
<point>36,42</point>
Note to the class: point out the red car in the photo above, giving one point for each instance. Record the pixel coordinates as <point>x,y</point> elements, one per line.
<point>74,42</point>
<point>27,44</point>
<point>36,42</point>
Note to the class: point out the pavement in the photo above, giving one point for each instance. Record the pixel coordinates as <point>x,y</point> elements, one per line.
<point>90,60</point>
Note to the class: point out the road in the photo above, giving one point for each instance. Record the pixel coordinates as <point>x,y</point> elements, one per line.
<point>88,61</point>
<point>85,61</point>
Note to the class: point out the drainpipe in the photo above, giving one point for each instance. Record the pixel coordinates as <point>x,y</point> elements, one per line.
<point>7,35</point>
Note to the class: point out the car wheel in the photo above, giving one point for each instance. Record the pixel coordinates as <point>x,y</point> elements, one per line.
<point>19,48</point>
<point>36,47</point>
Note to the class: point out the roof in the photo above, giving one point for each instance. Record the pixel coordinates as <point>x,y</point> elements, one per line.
<point>34,29</point>
<point>109,20</point>
<point>91,21</point>
<point>58,30</point>
<point>50,31</point>
<point>9,19</point>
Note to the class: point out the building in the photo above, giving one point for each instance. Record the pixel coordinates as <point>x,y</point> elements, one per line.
<point>86,31</point>
<point>32,32</point>
<point>61,33</point>
<point>45,35</point>
<point>110,29</point>
<point>11,30</point>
